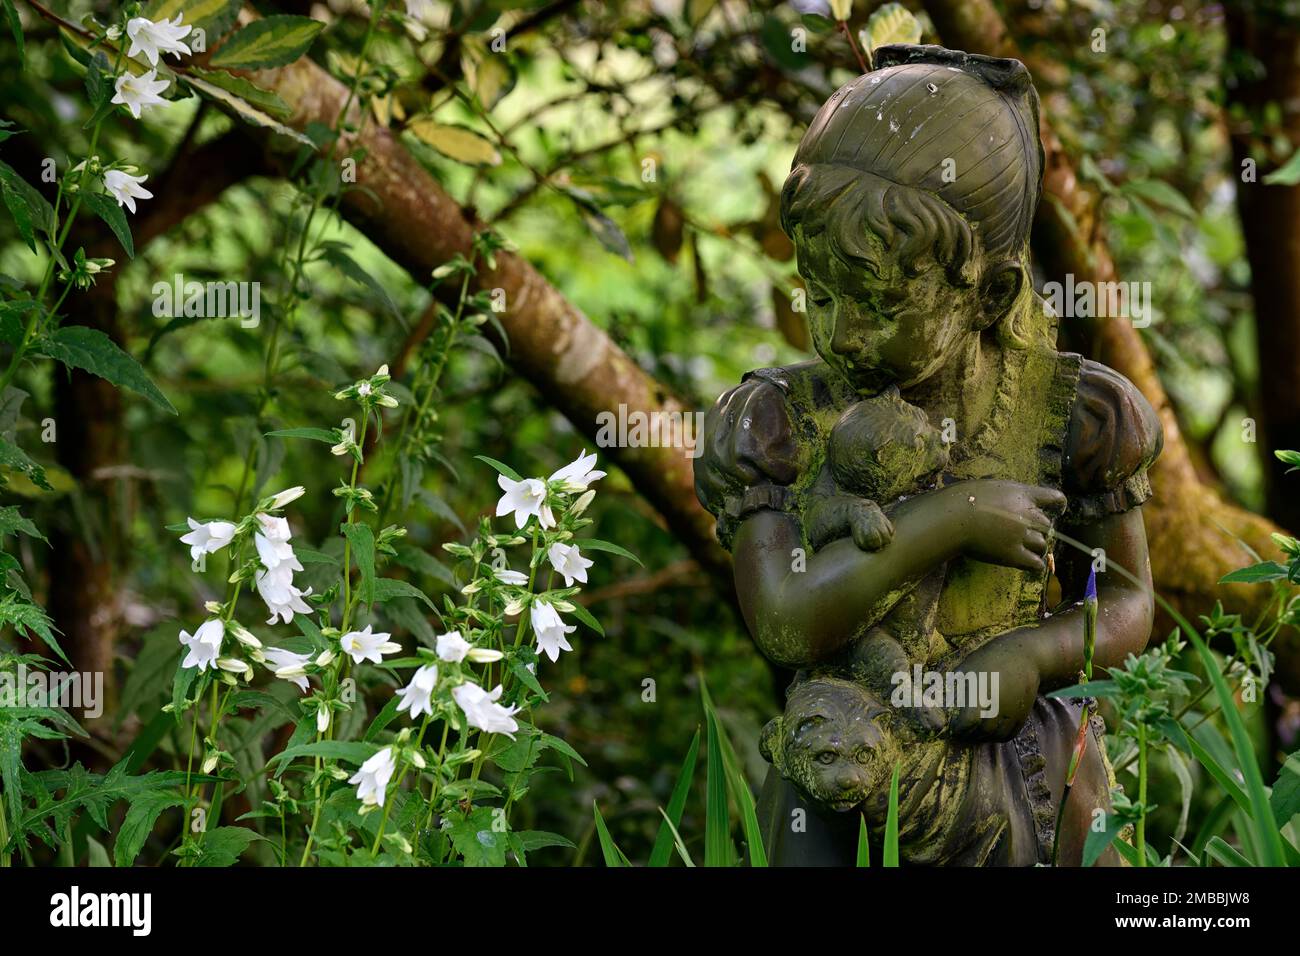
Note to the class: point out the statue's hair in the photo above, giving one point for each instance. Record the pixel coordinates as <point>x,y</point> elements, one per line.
<point>851,206</point>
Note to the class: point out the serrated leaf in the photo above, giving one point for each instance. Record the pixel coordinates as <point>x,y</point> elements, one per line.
<point>272,41</point>
<point>92,351</point>
<point>11,521</point>
<point>1256,574</point>
<point>222,847</point>
<point>139,823</point>
<point>30,210</point>
<point>107,209</point>
<point>455,142</point>
<point>15,459</point>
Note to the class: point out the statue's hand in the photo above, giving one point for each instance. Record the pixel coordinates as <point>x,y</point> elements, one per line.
<point>1007,523</point>
<point>1007,678</point>
<point>837,516</point>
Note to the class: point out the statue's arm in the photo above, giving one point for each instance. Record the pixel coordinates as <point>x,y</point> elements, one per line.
<point>799,617</point>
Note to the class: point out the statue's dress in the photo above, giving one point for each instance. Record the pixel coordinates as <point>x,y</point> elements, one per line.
<point>1058,420</point>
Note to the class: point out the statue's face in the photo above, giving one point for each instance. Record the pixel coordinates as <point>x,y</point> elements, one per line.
<point>834,748</point>
<point>883,328</point>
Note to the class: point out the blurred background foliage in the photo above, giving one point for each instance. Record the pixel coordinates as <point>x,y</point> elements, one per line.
<point>641,150</point>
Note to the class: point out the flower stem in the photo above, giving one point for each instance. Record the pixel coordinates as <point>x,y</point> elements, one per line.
<point>1142,795</point>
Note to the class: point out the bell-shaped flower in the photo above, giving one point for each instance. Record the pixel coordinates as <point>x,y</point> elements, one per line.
<point>207,537</point>
<point>204,644</point>
<point>366,646</point>
<point>577,474</point>
<point>372,779</point>
<point>569,562</point>
<point>417,696</point>
<point>482,710</point>
<point>550,630</point>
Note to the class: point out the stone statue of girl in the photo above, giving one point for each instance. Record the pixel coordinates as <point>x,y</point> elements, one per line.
<point>904,500</point>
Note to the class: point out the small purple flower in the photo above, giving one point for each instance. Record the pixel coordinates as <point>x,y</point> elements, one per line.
<point>1090,593</point>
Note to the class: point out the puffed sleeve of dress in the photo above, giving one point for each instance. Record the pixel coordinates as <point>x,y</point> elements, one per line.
<point>1114,437</point>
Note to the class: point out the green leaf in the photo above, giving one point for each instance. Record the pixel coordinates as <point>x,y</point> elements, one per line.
<point>92,351</point>
<point>718,849</point>
<point>539,839</point>
<point>181,685</point>
<point>29,208</point>
<point>1288,174</point>
<point>139,823</point>
<point>1226,854</point>
<point>501,467</point>
<point>663,847</point>
<point>363,551</point>
<point>479,839</point>
<point>272,41</point>
<point>348,266</point>
<point>353,751</point>
<point>1256,574</point>
<point>608,848</point>
<point>1261,814</point>
<point>598,223</point>
<point>223,846</point>
<point>596,544</point>
<point>214,17</point>
<point>16,27</point>
<point>15,459</point>
<point>327,435</point>
<point>1098,840</point>
<point>242,108</point>
<point>259,99</point>
<point>1285,798</point>
<point>892,23</point>
<point>583,615</point>
<point>864,843</point>
<point>386,589</point>
<point>11,521</point>
<point>455,142</point>
<point>890,849</point>
<point>1162,194</point>
<point>107,209</point>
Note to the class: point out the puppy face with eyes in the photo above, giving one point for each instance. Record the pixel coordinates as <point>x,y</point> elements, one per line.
<point>832,742</point>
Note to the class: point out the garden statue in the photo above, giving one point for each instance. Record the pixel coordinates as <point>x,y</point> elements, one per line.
<point>903,510</point>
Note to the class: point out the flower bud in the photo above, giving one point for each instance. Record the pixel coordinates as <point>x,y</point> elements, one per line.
<point>484,655</point>
<point>322,719</point>
<point>325,659</point>
<point>581,504</point>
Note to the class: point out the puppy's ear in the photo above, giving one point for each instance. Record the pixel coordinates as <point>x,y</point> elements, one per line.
<point>769,743</point>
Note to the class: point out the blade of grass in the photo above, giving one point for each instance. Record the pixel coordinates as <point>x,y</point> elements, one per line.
<point>1221,850</point>
<point>663,847</point>
<point>677,837</point>
<point>864,845</point>
<point>718,850</point>
<point>1266,830</point>
<point>739,788</point>
<point>891,822</point>
<point>613,855</point>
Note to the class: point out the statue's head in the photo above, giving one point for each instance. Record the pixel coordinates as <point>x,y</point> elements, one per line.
<point>883,447</point>
<point>832,742</point>
<point>910,202</point>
